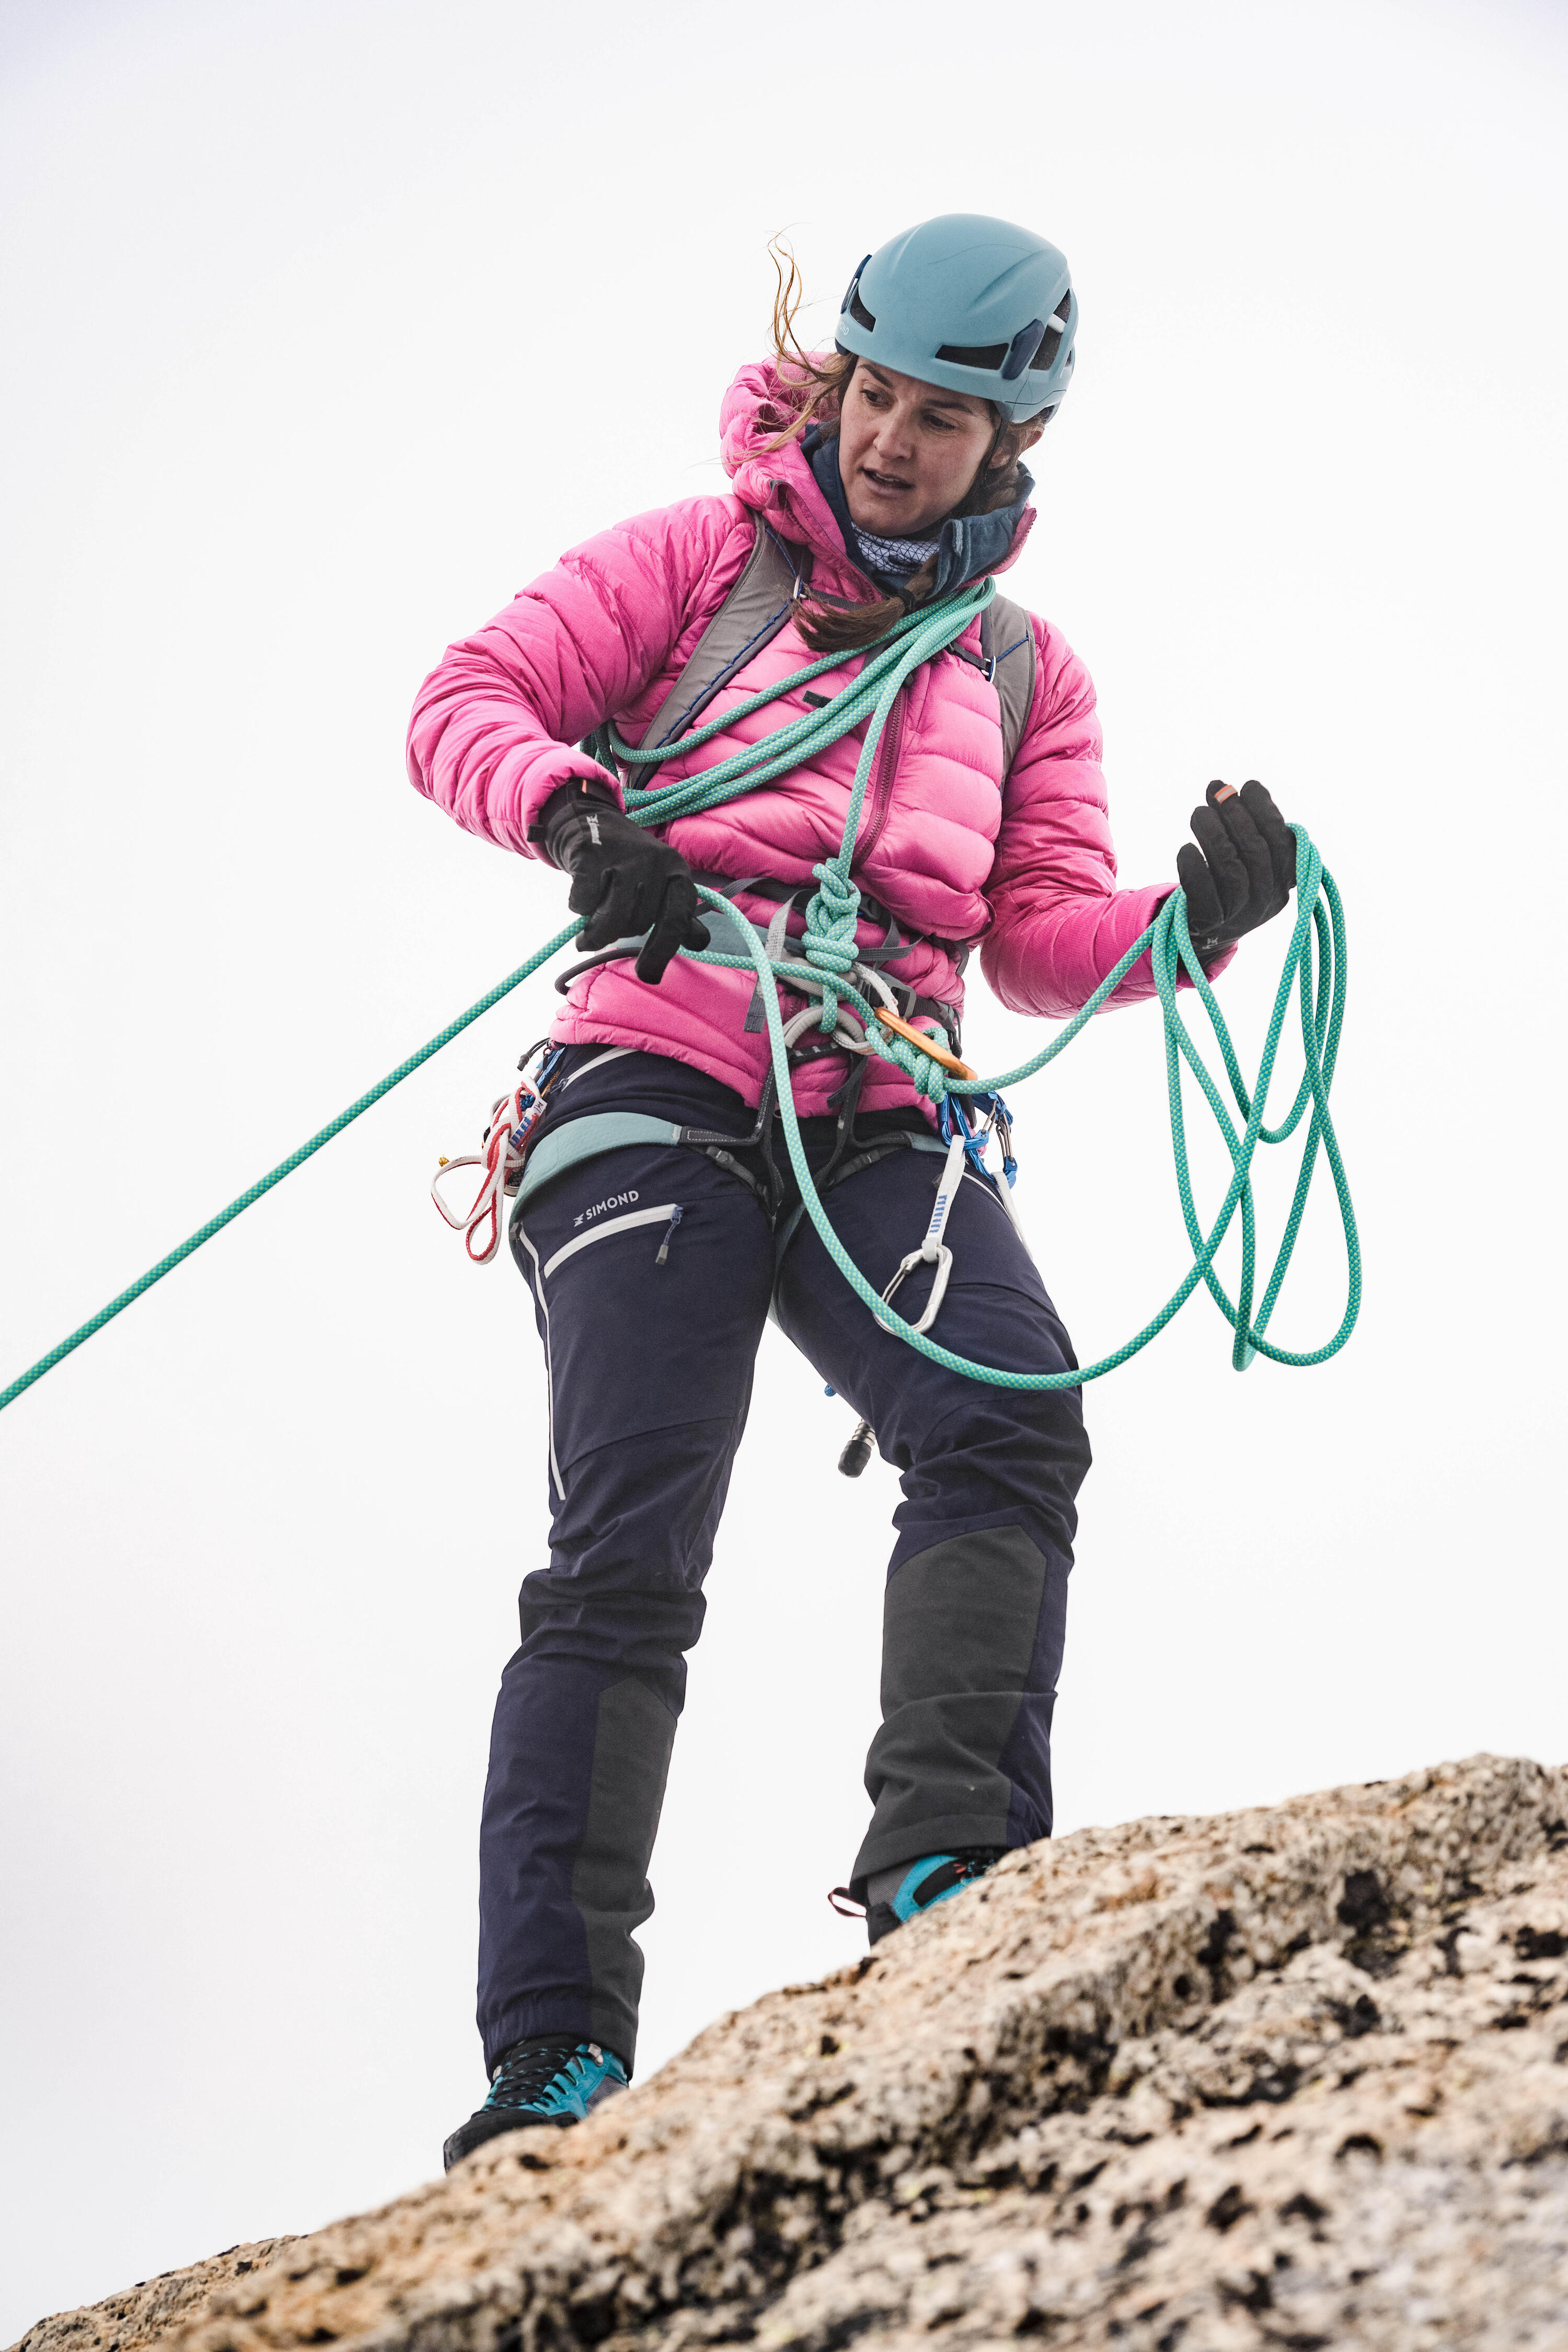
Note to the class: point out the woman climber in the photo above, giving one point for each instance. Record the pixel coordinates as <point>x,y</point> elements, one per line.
<point>871,482</point>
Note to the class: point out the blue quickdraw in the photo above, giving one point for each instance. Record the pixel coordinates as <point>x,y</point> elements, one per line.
<point>954,1115</point>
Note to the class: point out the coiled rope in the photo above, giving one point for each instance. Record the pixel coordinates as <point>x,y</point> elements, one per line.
<point>1320,916</point>
<point>827,958</point>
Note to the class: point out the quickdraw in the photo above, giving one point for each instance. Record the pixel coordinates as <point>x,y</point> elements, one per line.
<point>505,1142</point>
<point>933,1250</point>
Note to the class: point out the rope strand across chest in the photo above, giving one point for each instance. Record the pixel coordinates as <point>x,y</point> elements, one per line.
<point>827,948</point>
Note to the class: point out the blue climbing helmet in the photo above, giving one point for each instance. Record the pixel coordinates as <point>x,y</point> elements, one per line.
<point>972,304</point>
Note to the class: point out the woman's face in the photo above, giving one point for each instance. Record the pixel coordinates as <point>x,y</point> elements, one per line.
<point>908,451</point>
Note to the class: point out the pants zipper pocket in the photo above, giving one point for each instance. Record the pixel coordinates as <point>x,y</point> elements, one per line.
<point>633,1217</point>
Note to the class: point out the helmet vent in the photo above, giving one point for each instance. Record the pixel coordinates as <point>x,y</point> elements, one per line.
<point>1064,307</point>
<point>858,312</point>
<point>974,356</point>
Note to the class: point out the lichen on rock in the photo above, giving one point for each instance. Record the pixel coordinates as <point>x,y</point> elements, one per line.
<point>1294,2077</point>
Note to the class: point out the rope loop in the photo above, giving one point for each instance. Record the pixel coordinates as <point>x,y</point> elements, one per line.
<point>1318,980</point>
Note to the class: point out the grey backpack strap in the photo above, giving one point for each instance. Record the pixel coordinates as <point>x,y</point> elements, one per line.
<point>751,616</point>
<point>1007,639</point>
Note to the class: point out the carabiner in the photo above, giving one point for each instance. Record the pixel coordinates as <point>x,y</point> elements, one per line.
<point>941,1257</point>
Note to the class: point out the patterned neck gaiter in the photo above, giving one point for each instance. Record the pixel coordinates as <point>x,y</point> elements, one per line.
<point>903,556</point>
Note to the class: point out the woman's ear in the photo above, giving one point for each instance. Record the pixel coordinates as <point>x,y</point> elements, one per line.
<point>1015,441</point>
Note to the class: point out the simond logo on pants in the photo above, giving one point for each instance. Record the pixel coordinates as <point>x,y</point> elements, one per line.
<point>616,1201</point>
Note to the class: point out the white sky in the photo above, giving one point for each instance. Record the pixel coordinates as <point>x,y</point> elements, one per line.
<point>328,327</point>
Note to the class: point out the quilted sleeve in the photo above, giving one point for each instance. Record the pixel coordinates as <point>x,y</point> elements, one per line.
<point>1059,923</point>
<point>496,723</point>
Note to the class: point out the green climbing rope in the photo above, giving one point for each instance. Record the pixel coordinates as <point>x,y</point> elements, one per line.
<point>834,911</point>
<point>253,1192</point>
<point>1166,940</point>
<point>827,957</point>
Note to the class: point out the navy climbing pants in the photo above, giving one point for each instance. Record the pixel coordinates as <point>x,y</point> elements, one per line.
<point>650,1375</point>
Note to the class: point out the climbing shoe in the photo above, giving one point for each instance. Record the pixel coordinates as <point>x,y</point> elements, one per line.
<point>544,2080</point>
<point>893,1896</point>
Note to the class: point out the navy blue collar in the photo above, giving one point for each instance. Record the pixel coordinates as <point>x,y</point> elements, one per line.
<point>968,546</point>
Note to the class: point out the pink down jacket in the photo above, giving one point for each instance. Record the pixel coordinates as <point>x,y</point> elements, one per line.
<point>1023,868</point>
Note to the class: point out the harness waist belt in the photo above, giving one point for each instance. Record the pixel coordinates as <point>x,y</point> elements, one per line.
<point>609,1130</point>
<point>584,1139</point>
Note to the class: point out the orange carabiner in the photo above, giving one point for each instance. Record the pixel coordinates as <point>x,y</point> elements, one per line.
<point>928,1046</point>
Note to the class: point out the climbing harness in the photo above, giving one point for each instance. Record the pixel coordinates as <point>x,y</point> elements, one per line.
<point>848,1001</point>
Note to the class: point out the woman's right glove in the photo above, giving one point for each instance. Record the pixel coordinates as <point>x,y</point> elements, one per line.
<point>624,882</point>
<point>1243,870</point>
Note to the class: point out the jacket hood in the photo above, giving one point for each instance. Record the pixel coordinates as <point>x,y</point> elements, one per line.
<point>779,483</point>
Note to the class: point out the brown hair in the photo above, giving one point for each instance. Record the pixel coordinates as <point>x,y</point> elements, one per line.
<point>811,387</point>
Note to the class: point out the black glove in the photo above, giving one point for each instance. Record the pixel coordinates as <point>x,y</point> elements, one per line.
<point>1243,870</point>
<point>623,881</point>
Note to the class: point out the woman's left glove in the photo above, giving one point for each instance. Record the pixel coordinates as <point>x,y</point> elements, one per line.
<point>623,881</point>
<point>1243,870</point>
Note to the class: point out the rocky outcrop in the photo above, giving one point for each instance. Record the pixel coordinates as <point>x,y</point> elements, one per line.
<point>1289,2078</point>
<point>154,2309</point>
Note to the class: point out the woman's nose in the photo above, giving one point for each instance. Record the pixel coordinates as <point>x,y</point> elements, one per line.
<point>893,435</point>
